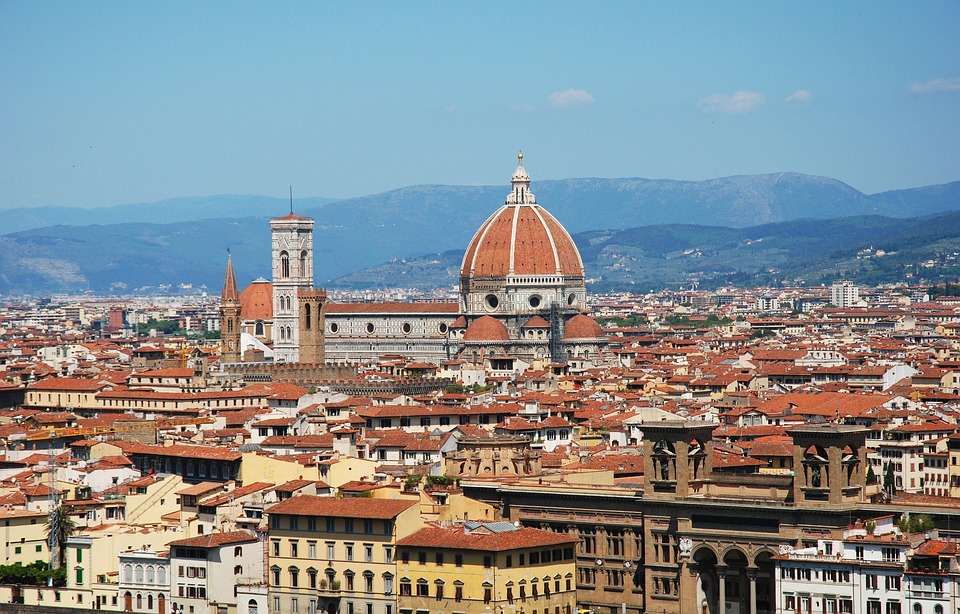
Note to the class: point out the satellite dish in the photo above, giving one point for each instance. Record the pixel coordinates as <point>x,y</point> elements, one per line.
<point>628,564</point>
<point>599,562</point>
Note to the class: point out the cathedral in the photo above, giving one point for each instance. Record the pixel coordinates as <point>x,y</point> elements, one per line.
<point>522,300</point>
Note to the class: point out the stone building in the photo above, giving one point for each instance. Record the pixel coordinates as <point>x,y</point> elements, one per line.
<point>688,538</point>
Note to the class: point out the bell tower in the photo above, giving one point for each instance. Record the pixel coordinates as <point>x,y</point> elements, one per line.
<point>678,457</point>
<point>829,464</point>
<point>230,317</point>
<point>292,255</point>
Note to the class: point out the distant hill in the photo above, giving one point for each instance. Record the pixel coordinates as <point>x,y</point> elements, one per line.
<point>163,212</point>
<point>185,240</point>
<point>867,249</point>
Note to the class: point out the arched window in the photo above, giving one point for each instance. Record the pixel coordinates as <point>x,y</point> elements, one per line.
<point>258,329</point>
<point>306,311</point>
<point>303,263</point>
<point>139,601</point>
<point>253,607</point>
<point>128,573</point>
<point>151,574</point>
<point>161,575</point>
<point>284,264</point>
<point>138,577</point>
<point>149,602</point>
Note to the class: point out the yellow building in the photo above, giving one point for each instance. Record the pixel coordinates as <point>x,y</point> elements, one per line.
<point>483,567</point>
<point>336,555</point>
<point>24,536</point>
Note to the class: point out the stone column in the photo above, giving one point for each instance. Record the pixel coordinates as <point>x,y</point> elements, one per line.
<point>752,577</point>
<point>722,588</point>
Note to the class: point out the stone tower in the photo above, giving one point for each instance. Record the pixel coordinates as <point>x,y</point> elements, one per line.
<point>829,464</point>
<point>230,317</point>
<point>312,325</point>
<point>677,457</point>
<point>292,251</point>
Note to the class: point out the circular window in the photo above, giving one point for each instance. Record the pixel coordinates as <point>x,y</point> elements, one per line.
<point>534,301</point>
<point>369,328</point>
<point>572,300</point>
<point>442,328</point>
<point>334,328</point>
<point>491,301</point>
<point>405,328</point>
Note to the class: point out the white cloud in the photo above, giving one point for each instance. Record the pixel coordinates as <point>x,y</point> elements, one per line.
<point>743,101</point>
<point>522,107</point>
<point>799,97</point>
<point>570,98</point>
<point>937,85</point>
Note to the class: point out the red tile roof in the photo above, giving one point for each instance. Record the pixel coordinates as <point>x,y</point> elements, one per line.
<point>309,505</point>
<point>459,538</point>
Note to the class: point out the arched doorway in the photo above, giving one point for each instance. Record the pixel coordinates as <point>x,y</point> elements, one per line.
<point>161,604</point>
<point>704,565</point>
<point>734,586</point>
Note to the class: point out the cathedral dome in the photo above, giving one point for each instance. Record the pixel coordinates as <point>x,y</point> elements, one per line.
<point>521,238</point>
<point>256,300</point>
<point>582,326</point>
<point>486,328</point>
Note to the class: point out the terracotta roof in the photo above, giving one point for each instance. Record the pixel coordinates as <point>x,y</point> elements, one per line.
<point>256,301</point>
<point>521,239</point>
<point>309,505</point>
<point>582,326</point>
<point>460,539</point>
<point>486,328</point>
<point>215,540</point>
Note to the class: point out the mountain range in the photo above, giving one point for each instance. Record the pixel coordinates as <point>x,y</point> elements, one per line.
<point>630,232</point>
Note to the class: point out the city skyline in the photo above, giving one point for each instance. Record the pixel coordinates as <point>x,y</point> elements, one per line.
<point>114,104</point>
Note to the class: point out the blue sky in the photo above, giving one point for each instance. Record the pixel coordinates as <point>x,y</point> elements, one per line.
<point>107,103</point>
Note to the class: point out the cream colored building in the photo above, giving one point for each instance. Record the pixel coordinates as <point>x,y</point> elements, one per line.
<point>336,555</point>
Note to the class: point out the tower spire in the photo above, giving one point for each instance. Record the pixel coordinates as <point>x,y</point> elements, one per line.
<point>230,292</point>
<point>291,200</point>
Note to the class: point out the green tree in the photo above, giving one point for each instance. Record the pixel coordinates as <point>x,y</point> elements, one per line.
<point>889,480</point>
<point>871,476</point>
<point>60,526</point>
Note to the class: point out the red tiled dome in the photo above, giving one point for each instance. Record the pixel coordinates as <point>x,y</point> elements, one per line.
<point>521,238</point>
<point>582,327</point>
<point>256,301</point>
<point>486,328</point>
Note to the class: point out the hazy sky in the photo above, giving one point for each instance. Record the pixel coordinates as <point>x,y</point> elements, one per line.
<point>105,103</point>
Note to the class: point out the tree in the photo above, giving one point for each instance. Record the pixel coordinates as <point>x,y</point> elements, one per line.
<point>871,476</point>
<point>60,526</point>
<point>889,480</point>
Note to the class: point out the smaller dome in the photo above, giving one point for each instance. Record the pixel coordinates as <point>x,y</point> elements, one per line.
<point>256,300</point>
<point>486,328</point>
<point>582,327</point>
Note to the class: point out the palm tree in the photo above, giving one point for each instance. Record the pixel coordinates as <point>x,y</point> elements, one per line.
<point>60,526</point>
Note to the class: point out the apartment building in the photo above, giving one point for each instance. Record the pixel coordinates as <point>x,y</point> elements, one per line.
<point>336,555</point>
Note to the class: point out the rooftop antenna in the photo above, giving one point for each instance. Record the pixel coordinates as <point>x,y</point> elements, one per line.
<point>291,200</point>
